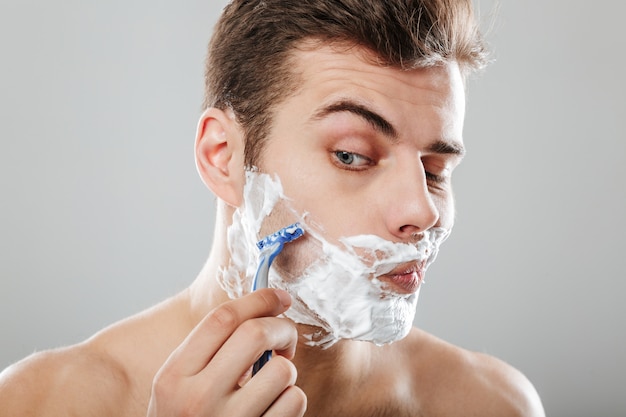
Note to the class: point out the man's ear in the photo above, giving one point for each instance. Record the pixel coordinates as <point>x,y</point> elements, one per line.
<point>219,155</point>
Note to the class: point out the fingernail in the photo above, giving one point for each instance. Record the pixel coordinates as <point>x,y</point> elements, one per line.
<point>284,297</point>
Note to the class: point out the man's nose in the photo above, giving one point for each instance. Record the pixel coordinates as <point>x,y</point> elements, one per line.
<point>410,208</point>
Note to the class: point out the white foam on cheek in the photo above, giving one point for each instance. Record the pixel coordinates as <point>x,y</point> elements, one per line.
<point>261,194</point>
<point>338,292</point>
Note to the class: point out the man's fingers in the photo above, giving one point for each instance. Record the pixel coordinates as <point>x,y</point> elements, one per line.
<point>202,373</point>
<point>248,343</point>
<point>292,403</point>
<point>273,391</point>
<point>210,334</point>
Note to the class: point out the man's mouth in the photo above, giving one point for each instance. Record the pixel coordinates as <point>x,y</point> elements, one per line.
<point>404,279</point>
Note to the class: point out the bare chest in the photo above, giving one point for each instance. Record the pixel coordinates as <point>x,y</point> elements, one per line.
<point>385,401</point>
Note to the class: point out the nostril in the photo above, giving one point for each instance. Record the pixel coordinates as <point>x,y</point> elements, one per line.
<point>411,233</point>
<point>416,237</point>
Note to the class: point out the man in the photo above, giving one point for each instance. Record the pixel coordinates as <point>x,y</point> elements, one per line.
<point>346,116</point>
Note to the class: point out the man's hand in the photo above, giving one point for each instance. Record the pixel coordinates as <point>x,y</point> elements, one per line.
<point>201,377</point>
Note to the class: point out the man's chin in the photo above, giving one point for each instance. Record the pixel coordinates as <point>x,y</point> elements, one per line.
<point>389,323</point>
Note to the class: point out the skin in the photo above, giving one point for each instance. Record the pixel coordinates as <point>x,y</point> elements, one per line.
<point>189,355</point>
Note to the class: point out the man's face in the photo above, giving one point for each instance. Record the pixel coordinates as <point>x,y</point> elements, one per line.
<point>364,154</point>
<point>365,149</point>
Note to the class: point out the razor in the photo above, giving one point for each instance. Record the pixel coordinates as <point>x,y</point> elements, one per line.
<point>270,247</point>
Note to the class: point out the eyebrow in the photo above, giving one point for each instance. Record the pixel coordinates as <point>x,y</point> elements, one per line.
<point>374,119</point>
<point>447,148</point>
<point>385,127</point>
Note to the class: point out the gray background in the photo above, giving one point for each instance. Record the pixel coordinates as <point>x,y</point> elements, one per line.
<point>102,213</point>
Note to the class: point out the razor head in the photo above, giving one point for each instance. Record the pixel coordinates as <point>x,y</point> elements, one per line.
<point>284,235</point>
<point>270,247</point>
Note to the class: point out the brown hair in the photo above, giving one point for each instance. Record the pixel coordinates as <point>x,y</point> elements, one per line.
<point>248,64</point>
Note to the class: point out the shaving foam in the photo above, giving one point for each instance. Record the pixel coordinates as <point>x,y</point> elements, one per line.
<point>339,291</point>
<point>261,194</point>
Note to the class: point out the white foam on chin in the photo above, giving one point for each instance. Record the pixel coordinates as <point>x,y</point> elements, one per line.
<point>338,292</point>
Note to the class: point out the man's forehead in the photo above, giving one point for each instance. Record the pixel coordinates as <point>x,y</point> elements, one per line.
<point>315,63</point>
<point>310,51</point>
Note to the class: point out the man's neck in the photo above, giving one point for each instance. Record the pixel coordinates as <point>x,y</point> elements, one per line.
<point>205,293</point>
<point>352,378</point>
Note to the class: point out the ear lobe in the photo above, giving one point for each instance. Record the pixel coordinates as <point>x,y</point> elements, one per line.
<point>219,155</point>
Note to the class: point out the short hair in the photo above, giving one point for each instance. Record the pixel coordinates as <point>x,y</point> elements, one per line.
<point>248,66</point>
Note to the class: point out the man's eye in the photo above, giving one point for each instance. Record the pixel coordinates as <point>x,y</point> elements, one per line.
<point>352,159</point>
<point>436,179</point>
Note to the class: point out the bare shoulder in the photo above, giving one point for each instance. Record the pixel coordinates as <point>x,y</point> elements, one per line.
<point>76,380</point>
<point>471,383</point>
<point>109,374</point>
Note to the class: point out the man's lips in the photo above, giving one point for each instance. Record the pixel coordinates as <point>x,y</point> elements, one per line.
<point>405,279</point>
